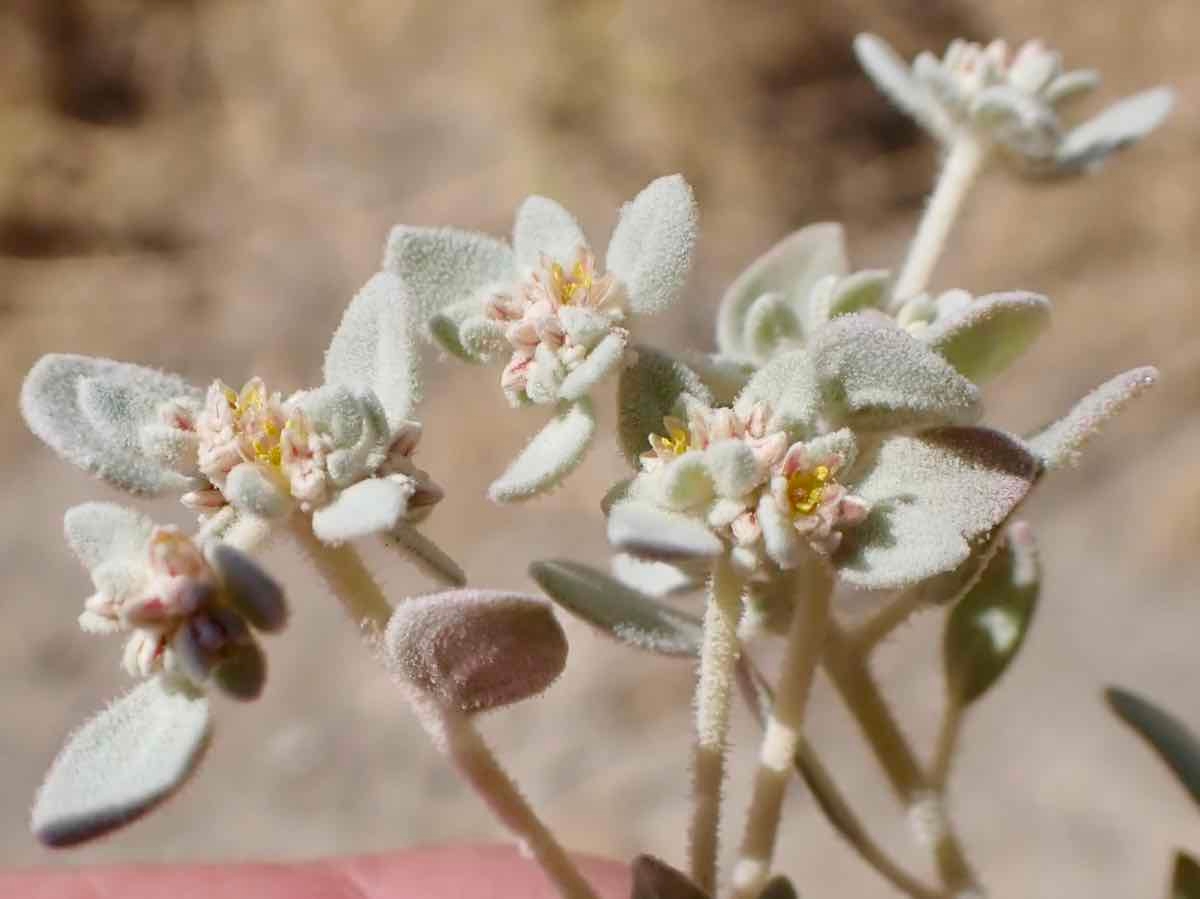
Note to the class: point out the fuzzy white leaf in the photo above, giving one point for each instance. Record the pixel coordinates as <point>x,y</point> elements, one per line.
<point>770,322</point>
<point>602,361</point>
<point>724,376</point>
<point>121,764</point>
<point>622,612</point>
<point>368,507</point>
<point>1059,444</point>
<point>787,384</point>
<point>444,266</point>
<point>549,457</point>
<point>780,539</point>
<point>859,292</point>
<point>544,227</point>
<point>990,334</point>
<point>257,490</point>
<point>791,268</point>
<point>650,389</point>
<point>375,348</point>
<point>875,376</point>
<point>685,483</point>
<point>253,593</point>
<point>91,412</point>
<point>1070,86</point>
<point>733,467</point>
<point>651,532</point>
<point>105,532</point>
<point>934,497</point>
<point>655,579</point>
<point>651,247</point>
<point>894,80</point>
<point>1118,126</point>
<point>425,554</point>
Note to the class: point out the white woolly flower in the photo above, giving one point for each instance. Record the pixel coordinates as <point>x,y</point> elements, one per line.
<point>787,297</point>
<point>559,319</point>
<point>1012,100</point>
<point>246,459</point>
<point>189,616</point>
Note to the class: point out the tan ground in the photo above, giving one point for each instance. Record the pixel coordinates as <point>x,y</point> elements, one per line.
<point>202,184</point>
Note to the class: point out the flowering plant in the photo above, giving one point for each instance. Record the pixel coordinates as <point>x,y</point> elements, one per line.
<point>831,447</point>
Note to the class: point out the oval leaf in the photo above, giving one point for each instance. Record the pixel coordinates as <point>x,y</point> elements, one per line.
<point>121,764</point>
<point>991,334</point>
<point>549,457</point>
<point>985,630</point>
<point>1174,742</point>
<point>621,612</point>
<point>651,247</point>
<point>651,532</point>
<point>1118,126</point>
<point>649,390</point>
<point>543,227</point>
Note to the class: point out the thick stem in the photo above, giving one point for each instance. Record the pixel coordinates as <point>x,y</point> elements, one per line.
<point>347,577</point>
<point>455,734</point>
<point>848,670</point>
<point>783,730</point>
<point>718,658</point>
<point>962,166</point>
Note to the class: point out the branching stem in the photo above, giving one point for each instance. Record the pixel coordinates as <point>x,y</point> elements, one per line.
<point>350,581</point>
<point>714,685</point>
<point>782,735</point>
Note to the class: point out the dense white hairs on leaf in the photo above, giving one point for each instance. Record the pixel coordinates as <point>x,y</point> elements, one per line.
<point>257,490</point>
<point>792,268</point>
<point>475,650</point>
<point>1070,86</point>
<point>780,539</point>
<point>683,483</point>
<point>867,289</point>
<point>105,532</point>
<point>895,81</point>
<point>990,334</point>
<point>723,376</point>
<point>621,611</point>
<point>91,412</point>
<point>653,578</point>
<point>1059,444</point>
<point>841,443</point>
<point>549,457</point>
<point>770,322</point>
<point>651,247</point>
<point>651,532</point>
<point>733,467</point>
<point>446,329</point>
<point>933,498</point>
<point>788,385</point>
<point>1118,126</point>
<point>368,507</point>
<point>123,762</point>
<point>425,554</point>
<point>544,227</point>
<point>444,266</point>
<point>650,389</point>
<point>375,347</point>
<point>875,376</point>
<point>601,362</point>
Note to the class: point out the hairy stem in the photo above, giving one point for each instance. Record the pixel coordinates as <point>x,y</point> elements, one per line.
<point>718,658</point>
<point>347,577</point>
<point>784,725</point>
<point>830,798</point>
<point>962,166</point>
<point>848,669</point>
<point>457,737</point>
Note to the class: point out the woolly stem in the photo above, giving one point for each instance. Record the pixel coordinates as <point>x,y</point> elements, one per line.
<point>781,738</point>
<point>848,670</point>
<point>830,798</point>
<point>718,657</point>
<point>343,571</point>
<point>962,166</point>
<point>456,736</point>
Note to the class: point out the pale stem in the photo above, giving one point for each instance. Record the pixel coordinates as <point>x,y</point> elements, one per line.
<point>848,670</point>
<point>962,166</point>
<point>784,726</point>
<point>343,571</point>
<point>714,684</point>
<point>947,743</point>
<point>829,797</point>
<point>456,735</point>
<point>879,626</point>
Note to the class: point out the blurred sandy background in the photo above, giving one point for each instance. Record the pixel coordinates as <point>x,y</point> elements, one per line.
<point>202,184</point>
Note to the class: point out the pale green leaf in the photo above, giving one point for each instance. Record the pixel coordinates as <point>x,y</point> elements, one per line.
<point>649,390</point>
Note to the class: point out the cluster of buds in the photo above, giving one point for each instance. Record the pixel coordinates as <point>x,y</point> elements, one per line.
<point>553,320</point>
<point>189,616</point>
<point>739,472</point>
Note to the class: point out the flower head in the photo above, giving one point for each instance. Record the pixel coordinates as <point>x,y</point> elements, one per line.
<point>562,321</point>
<point>1012,100</point>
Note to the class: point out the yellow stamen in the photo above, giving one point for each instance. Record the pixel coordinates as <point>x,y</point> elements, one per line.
<point>566,286</point>
<point>806,489</point>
